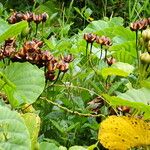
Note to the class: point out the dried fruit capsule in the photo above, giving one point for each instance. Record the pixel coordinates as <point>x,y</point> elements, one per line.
<point>139,25</point>
<point>37,18</point>
<point>103,40</point>
<point>62,66</point>
<point>89,37</point>
<point>110,61</point>
<point>44,17</point>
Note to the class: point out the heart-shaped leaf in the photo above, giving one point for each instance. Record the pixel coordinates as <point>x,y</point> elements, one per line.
<point>29,81</point>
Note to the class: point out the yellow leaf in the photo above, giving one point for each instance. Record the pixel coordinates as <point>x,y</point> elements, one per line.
<point>122,133</point>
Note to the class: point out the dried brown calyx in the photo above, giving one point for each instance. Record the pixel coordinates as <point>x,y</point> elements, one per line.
<point>89,37</point>
<point>124,109</point>
<point>28,16</point>
<point>67,59</point>
<point>110,61</point>
<point>8,49</point>
<point>139,25</point>
<point>103,40</point>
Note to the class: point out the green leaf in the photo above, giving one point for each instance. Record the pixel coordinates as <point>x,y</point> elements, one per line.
<point>78,10</point>
<point>29,81</point>
<point>1,8</point>
<point>124,66</point>
<point>57,126</point>
<point>13,131</point>
<point>124,56</point>
<point>137,95</point>
<point>32,122</point>
<point>117,101</point>
<point>3,26</point>
<point>116,21</point>
<point>88,13</point>
<point>48,146</point>
<point>113,71</point>
<point>13,30</point>
<point>45,8</point>
<point>73,126</point>
<point>77,148</point>
<point>115,86</point>
<point>96,26</point>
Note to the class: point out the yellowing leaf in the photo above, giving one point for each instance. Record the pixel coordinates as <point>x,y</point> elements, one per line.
<point>124,132</point>
<point>113,71</point>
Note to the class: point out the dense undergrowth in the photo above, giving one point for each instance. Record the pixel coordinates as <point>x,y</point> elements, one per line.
<point>74,76</point>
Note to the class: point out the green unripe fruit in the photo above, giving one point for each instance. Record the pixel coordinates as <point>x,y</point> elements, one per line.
<point>145,58</point>
<point>141,41</point>
<point>148,46</point>
<point>146,35</point>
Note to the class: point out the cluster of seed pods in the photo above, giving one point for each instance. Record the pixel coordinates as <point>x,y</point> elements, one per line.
<point>28,16</point>
<point>32,53</point>
<point>103,41</point>
<point>142,26</point>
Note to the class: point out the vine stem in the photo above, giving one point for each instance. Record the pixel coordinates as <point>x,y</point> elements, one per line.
<point>91,48</point>
<point>105,55</point>
<point>87,48</point>
<point>57,77</point>
<point>101,51</point>
<point>137,52</point>
<point>71,111</point>
<point>77,87</point>
<point>36,29</point>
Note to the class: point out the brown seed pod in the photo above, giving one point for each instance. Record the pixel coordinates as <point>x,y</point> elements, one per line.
<point>37,18</point>
<point>50,76</point>
<point>28,16</point>
<point>103,40</point>
<point>139,25</point>
<point>67,59</point>
<point>44,17</point>
<point>124,109</point>
<point>62,66</point>
<point>89,37</point>
<point>52,66</point>
<point>46,56</point>
<point>9,47</point>
<point>110,61</point>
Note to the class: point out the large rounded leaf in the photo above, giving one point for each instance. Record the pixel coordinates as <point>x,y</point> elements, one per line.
<point>29,81</point>
<point>13,131</point>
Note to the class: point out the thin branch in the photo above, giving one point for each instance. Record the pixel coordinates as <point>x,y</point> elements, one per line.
<point>71,111</point>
